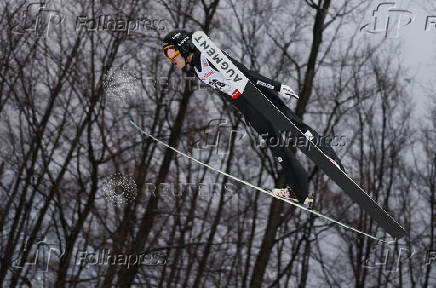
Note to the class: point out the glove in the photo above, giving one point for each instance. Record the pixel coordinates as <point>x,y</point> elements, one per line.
<point>286,92</point>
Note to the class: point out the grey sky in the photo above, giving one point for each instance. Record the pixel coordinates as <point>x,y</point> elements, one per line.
<point>417,51</point>
<point>416,45</point>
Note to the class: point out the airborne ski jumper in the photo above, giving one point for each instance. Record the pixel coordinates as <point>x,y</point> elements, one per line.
<point>178,47</point>
<point>262,102</point>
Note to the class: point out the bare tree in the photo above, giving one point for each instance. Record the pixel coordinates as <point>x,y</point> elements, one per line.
<point>115,208</point>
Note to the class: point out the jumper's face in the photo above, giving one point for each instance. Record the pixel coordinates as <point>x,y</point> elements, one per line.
<point>175,57</point>
<point>179,61</point>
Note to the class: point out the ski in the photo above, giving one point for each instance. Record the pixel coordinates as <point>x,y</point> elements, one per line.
<point>266,191</point>
<point>249,93</point>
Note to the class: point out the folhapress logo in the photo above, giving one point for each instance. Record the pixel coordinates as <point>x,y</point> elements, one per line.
<point>388,20</point>
<point>37,18</point>
<point>42,257</point>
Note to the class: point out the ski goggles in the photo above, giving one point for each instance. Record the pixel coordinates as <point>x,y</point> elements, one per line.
<point>171,52</point>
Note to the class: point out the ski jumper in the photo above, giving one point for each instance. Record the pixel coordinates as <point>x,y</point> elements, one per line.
<point>296,176</point>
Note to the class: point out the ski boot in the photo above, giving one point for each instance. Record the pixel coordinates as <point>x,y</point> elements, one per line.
<point>288,193</point>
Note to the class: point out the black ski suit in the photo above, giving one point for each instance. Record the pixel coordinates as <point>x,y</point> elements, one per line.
<point>296,176</point>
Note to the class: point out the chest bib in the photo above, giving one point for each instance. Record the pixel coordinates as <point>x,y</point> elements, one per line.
<point>215,79</point>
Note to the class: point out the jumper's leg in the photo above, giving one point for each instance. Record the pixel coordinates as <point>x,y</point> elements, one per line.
<point>295,174</point>
<point>309,132</point>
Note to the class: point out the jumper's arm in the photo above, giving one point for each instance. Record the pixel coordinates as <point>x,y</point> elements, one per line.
<point>261,82</point>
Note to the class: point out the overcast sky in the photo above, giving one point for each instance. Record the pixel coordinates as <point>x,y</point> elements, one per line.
<point>417,46</point>
<point>418,50</point>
